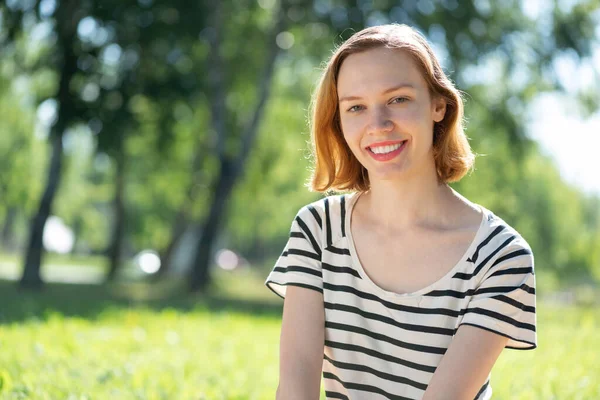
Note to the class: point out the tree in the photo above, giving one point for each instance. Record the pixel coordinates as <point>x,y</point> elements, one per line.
<point>67,19</point>
<point>231,163</point>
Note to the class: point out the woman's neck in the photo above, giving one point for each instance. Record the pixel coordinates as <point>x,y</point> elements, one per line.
<point>415,200</point>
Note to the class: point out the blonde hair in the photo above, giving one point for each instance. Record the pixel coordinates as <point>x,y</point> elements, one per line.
<point>335,167</point>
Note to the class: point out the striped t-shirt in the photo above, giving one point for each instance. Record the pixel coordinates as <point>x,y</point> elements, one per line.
<point>384,345</point>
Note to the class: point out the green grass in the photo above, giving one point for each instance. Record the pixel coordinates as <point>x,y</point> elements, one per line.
<point>140,342</point>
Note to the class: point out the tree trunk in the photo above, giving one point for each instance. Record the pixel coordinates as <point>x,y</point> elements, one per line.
<point>31,271</point>
<point>8,229</point>
<point>178,229</point>
<point>182,220</point>
<point>66,21</point>
<point>200,273</point>
<point>231,167</point>
<point>116,245</point>
<point>77,229</point>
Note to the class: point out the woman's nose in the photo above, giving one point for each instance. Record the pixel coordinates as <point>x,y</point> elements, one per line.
<point>380,122</point>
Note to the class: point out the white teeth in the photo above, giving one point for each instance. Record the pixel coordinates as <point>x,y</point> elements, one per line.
<point>385,149</point>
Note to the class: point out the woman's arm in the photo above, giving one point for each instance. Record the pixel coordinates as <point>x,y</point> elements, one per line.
<point>466,364</point>
<point>301,345</point>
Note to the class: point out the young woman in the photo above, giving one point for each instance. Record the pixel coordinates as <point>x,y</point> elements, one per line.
<point>401,289</point>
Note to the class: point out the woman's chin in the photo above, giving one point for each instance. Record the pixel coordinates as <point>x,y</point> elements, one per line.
<point>389,173</point>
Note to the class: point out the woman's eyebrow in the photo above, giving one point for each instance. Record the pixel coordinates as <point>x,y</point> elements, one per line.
<point>392,89</point>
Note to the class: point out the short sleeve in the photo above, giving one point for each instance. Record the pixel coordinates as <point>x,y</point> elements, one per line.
<point>504,301</point>
<point>300,261</point>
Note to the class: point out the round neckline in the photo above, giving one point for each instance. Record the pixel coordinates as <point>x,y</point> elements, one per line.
<point>352,199</point>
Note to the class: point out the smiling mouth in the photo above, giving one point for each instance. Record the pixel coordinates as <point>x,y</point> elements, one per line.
<point>385,149</point>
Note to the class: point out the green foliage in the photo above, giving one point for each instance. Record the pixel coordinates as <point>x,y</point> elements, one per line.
<point>17,142</point>
<point>527,191</point>
<point>272,190</point>
<point>154,106</point>
<point>22,159</point>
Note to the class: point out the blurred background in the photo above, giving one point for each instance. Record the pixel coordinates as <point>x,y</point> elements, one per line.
<point>154,153</point>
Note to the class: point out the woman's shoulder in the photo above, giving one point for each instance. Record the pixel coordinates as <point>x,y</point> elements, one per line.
<point>327,215</point>
<point>500,234</point>
<point>332,205</point>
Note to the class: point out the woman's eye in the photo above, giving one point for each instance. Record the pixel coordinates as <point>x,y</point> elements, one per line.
<point>354,108</point>
<point>399,100</point>
<point>396,100</point>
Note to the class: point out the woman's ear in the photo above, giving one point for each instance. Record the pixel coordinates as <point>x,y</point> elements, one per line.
<point>439,108</point>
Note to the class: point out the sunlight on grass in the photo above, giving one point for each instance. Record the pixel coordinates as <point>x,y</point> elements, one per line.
<point>140,353</point>
<point>565,364</point>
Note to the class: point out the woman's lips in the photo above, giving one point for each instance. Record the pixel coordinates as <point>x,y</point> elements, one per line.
<point>390,153</point>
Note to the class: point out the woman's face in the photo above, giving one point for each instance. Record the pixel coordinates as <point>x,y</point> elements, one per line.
<point>387,114</point>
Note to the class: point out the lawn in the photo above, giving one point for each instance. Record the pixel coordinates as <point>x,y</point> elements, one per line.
<point>130,342</point>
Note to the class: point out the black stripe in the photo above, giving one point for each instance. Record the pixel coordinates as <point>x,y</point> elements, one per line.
<point>475,292</point>
<point>337,250</point>
<point>299,235</point>
<point>309,235</point>
<point>513,271</point>
<point>341,270</point>
<point>315,214</point>
<point>531,345</point>
<point>343,214</point>
<point>335,395</point>
<point>463,276</point>
<point>504,289</point>
<point>327,222</point>
<point>364,388</point>
<point>501,317</point>
<point>450,293</point>
<point>475,255</point>
<point>389,304</point>
<point>520,252</point>
<point>388,320</point>
<point>383,338</point>
<point>304,253</point>
<point>379,355</point>
<point>483,389</point>
<point>514,303</point>
<point>484,262</point>
<point>527,288</point>
<point>372,371</point>
<point>297,268</point>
